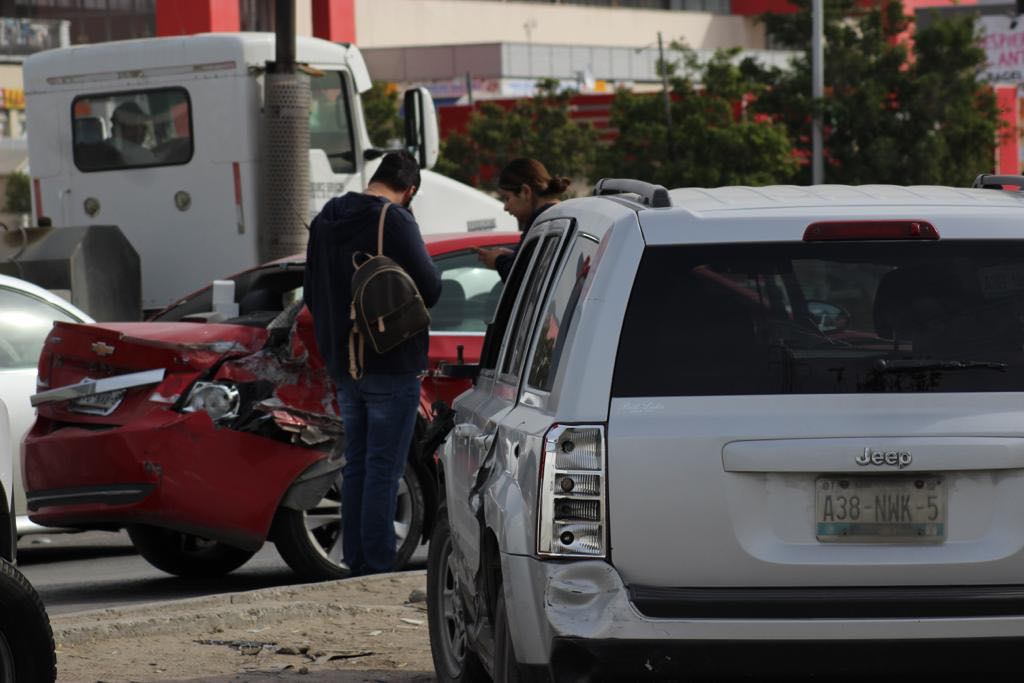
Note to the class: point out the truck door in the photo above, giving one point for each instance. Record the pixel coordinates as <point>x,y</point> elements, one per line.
<point>335,157</point>
<point>479,414</point>
<point>148,161</point>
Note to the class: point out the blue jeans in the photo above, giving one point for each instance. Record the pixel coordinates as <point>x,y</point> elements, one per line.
<point>379,415</point>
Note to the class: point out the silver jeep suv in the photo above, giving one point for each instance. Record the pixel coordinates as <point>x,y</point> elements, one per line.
<point>783,422</point>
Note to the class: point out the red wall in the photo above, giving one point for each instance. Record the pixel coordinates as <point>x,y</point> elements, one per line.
<point>185,17</point>
<point>335,20</point>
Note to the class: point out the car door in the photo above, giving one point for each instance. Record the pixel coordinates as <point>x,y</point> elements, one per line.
<point>479,413</point>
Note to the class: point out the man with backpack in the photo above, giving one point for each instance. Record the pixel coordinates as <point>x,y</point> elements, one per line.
<point>368,280</point>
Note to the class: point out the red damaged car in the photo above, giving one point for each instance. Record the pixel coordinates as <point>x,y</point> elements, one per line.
<point>205,436</point>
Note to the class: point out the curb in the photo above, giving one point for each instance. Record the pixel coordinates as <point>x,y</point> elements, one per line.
<point>217,613</point>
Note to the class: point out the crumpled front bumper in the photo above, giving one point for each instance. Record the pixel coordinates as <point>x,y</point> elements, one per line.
<point>575,621</point>
<point>174,470</point>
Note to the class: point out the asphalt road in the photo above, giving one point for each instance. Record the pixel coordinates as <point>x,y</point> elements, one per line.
<point>99,569</point>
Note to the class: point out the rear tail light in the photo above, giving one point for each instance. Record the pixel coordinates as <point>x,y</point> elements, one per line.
<point>572,520</point>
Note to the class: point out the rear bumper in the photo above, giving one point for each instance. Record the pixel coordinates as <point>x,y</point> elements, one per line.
<point>172,470</point>
<point>579,619</point>
<point>595,660</point>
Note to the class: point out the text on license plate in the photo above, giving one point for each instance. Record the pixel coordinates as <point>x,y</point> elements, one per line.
<point>98,404</point>
<point>880,509</point>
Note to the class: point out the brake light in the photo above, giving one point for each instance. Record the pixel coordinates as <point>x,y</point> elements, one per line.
<point>572,516</point>
<point>823,231</point>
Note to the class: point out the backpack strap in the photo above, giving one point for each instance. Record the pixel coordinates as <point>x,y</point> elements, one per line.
<point>380,228</point>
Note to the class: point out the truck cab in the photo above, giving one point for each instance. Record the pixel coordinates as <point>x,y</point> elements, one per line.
<point>163,138</point>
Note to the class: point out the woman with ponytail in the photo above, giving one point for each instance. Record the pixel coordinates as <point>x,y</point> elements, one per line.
<point>528,190</point>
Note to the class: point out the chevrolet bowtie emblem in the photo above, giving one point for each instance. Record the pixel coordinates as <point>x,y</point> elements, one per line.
<point>102,349</point>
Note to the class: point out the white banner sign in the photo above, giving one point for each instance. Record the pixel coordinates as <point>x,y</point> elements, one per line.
<point>1004,47</point>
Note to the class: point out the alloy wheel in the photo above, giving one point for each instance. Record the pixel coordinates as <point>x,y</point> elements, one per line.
<point>323,522</point>
<point>454,643</point>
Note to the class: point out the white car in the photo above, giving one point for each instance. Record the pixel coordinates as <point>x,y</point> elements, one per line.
<point>7,538</point>
<point>27,313</point>
<point>746,432</point>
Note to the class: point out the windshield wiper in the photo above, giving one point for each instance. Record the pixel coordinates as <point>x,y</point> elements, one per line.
<point>883,365</point>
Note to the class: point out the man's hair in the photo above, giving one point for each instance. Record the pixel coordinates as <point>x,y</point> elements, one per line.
<point>398,170</point>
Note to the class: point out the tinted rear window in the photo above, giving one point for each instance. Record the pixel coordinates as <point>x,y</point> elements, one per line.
<point>827,318</point>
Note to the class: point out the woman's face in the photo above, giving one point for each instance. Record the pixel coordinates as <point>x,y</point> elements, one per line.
<point>519,204</point>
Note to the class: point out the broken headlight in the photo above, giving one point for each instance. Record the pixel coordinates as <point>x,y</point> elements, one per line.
<point>218,400</point>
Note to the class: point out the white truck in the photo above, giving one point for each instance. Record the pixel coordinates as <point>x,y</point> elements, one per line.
<point>162,137</point>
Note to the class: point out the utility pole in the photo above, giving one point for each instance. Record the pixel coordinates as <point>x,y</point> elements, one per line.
<point>663,68</point>
<point>285,197</point>
<point>817,88</point>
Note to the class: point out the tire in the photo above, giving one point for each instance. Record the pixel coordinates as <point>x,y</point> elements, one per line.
<point>27,653</point>
<point>186,555</point>
<point>454,659</point>
<point>309,541</point>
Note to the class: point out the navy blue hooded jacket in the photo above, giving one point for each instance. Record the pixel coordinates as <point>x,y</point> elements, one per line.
<point>347,225</point>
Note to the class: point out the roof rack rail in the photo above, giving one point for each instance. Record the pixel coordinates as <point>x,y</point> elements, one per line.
<point>654,196</point>
<point>996,182</point>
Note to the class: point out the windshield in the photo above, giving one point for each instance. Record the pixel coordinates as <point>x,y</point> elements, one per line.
<point>838,317</point>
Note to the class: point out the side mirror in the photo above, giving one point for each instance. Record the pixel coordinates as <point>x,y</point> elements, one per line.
<point>828,317</point>
<point>422,137</point>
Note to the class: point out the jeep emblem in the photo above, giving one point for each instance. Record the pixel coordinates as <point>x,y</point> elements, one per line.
<point>870,456</point>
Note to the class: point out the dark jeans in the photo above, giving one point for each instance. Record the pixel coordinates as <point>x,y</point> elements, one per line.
<point>379,414</point>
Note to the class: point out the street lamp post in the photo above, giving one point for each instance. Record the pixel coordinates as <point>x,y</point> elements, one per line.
<point>817,88</point>
<point>663,68</point>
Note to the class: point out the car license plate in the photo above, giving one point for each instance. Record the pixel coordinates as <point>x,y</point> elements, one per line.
<point>97,404</point>
<point>880,509</point>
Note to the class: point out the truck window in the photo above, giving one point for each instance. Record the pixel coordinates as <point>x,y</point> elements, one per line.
<point>824,318</point>
<point>330,121</point>
<point>565,297</point>
<point>530,300</point>
<point>132,129</point>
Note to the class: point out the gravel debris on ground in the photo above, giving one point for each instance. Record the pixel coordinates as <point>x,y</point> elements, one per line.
<point>363,629</point>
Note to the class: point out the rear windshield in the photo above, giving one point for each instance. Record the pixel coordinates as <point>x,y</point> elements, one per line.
<point>826,318</point>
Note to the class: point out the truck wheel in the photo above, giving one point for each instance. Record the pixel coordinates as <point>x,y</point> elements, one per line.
<point>454,659</point>
<point>309,541</point>
<point>184,554</point>
<point>27,653</point>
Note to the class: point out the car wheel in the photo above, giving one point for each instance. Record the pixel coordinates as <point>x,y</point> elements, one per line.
<point>454,659</point>
<point>27,653</point>
<point>309,541</point>
<point>184,554</point>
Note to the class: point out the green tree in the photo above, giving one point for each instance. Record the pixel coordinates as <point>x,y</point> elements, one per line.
<point>18,195</point>
<point>538,127</point>
<point>888,116</point>
<point>713,139</point>
<point>380,106</point>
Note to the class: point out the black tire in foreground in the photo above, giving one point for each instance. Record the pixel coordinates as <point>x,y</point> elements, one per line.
<point>454,659</point>
<point>309,541</point>
<point>27,653</point>
<point>186,555</point>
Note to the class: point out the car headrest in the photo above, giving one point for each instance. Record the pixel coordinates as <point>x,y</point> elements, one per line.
<point>450,310</point>
<point>913,299</point>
